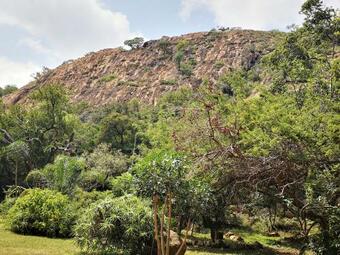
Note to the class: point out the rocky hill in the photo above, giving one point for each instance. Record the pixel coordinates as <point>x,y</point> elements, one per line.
<point>155,68</point>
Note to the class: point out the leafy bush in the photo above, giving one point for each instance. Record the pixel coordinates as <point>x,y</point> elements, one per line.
<point>6,204</point>
<point>103,160</point>
<point>165,46</point>
<point>186,69</point>
<point>182,44</point>
<point>93,179</point>
<point>178,58</point>
<point>62,175</point>
<point>122,185</point>
<point>36,178</point>
<point>41,212</point>
<point>84,199</point>
<point>12,193</point>
<point>116,226</point>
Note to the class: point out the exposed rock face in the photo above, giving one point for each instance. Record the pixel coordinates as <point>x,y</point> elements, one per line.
<point>148,72</point>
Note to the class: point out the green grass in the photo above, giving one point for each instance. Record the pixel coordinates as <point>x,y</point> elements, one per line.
<point>14,244</point>
<point>219,252</point>
<point>250,237</point>
<point>108,78</point>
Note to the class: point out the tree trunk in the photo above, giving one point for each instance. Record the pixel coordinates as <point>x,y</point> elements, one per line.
<point>155,201</point>
<point>215,234</point>
<point>169,224</point>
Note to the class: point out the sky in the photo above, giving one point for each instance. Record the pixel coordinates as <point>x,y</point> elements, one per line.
<point>37,33</point>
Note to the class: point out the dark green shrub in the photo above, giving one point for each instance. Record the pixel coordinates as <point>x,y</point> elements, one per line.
<point>6,204</point>
<point>165,46</point>
<point>83,199</point>
<point>62,175</point>
<point>41,212</point>
<point>116,226</point>
<point>179,56</point>
<point>93,179</point>
<point>12,193</point>
<point>122,185</point>
<point>186,69</point>
<point>36,178</point>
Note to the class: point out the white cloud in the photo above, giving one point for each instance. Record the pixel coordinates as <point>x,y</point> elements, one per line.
<point>15,72</point>
<point>253,14</point>
<point>68,28</point>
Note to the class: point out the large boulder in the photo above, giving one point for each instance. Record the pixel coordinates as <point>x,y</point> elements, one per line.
<point>175,244</point>
<point>236,238</point>
<point>228,235</point>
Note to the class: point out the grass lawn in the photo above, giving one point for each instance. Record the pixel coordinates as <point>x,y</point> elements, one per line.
<point>13,244</point>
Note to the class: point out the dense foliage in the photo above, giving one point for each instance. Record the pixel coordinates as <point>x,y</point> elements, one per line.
<point>116,226</point>
<point>41,212</point>
<point>262,142</point>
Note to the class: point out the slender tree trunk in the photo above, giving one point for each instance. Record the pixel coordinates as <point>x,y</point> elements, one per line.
<point>16,173</point>
<point>162,228</point>
<point>185,238</point>
<point>155,221</point>
<point>179,225</point>
<point>169,224</point>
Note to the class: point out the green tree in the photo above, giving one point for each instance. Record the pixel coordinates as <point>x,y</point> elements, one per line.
<point>119,131</point>
<point>7,90</point>
<point>161,175</point>
<point>134,43</point>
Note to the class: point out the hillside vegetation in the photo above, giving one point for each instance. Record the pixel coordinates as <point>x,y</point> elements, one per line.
<point>244,160</point>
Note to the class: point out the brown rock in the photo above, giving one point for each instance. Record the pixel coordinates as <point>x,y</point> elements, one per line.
<point>175,244</point>
<point>273,234</point>
<point>228,235</point>
<point>236,238</point>
<point>146,73</point>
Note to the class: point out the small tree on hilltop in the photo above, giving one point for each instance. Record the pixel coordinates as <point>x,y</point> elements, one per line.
<point>134,43</point>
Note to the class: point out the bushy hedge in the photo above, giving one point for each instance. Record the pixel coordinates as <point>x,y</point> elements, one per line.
<point>41,212</point>
<point>116,226</point>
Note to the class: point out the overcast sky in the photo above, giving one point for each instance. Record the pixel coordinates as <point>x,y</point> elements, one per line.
<point>37,33</point>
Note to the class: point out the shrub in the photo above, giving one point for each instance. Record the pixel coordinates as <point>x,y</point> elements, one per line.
<point>62,175</point>
<point>165,46</point>
<point>108,78</point>
<point>6,204</point>
<point>93,179</point>
<point>186,69</point>
<point>41,212</point>
<point>122,185</point>
<point>218,65</point>
<point>83,199</point>
<point>12,193</point>
<point>182,45</point>
<point>169,82</point>
<point>179,56</point>
<point>36,178</point>
<point>116,226</point>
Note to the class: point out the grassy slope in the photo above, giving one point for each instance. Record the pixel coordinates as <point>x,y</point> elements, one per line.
<point>13,244</point>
